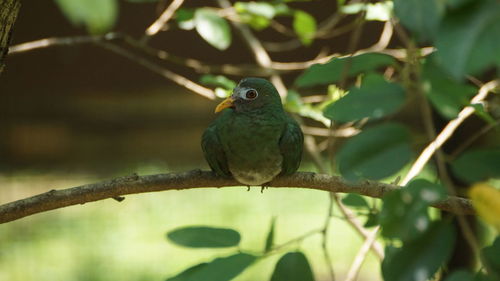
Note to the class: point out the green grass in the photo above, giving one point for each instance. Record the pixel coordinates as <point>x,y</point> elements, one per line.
<point>107,240</point>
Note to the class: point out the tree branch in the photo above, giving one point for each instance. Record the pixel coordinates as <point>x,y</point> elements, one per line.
<point>56,199</point>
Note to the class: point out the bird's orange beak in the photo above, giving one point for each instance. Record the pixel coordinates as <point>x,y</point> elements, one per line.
<point>224,104</point>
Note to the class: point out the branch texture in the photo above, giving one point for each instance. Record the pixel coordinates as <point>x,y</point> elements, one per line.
<point>115,188</point>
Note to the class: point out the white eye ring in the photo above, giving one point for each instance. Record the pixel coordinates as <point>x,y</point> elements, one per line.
<point>250,94</point>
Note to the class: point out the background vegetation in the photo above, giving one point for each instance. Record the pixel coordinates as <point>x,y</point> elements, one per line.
<point>404,92</point>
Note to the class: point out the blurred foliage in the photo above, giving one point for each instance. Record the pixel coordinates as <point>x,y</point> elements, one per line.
<point>365,91</point>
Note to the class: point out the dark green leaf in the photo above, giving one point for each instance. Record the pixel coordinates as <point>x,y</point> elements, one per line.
<point>480,111</point>
<point>204,237</point>
<point>375,98</point>
<point>418,260</point>
<point>404,213</point>
<point>218,80</point>
<point>491,256</point>
<point>270,236</point>
<point>460,275</point>
<point>333,71</point>
<point>305,26</point>
<point>420,16</point>
<point>220,269</point>
<point>375,153</point>
<point>468,39</point>
<point>372,220</point>
<point>211,27</point>
<point>97,16</point>
<point>293,266</point>
<point>477,165</point>
<point>445,94</point>
<point>355,200</point>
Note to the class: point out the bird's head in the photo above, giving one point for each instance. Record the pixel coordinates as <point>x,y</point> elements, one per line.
<point>251,94</point>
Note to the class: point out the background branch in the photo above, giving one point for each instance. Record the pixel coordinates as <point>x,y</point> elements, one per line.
<point>56,199</point>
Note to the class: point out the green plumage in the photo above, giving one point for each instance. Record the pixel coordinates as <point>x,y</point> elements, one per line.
<point>254,140</point>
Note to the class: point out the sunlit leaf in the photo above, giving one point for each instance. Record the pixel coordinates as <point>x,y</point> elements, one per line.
<point>446,95</point>
<point>380,11</point>
<point>204,237</point>
<point>375,153</point>
<point>477,165</point>
<point>220,269</point>
<point>305,26</point>
<point>270,236</point>
<point>419,259</point>
<point>97,16</point>
<point>404,213</point>
<point>211,27</point>
<point>263,9</point>
<point>294,104</point>
<point>486,201</point>
<point>420,16</point>
<point>185,18</point>
<point>332,71</point>
<point>491,255</point>
<point>293,266</point>
<point>375,98</point>
<point>218,80</point>
<point>468,40</point>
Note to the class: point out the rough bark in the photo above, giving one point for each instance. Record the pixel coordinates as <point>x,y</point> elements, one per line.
<point>116,188</point>
<point>8,14</point>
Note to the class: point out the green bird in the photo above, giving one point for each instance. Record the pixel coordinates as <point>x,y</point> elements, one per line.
<point>253,139</point>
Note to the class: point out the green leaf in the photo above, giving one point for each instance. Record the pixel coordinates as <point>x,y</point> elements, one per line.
<point>262,9</point>
<point>218,80</point>
<point>355,201</point>
<point>418,260</point>
<point>220,269</point>
<point>477,165</point>
<point>185,18</point>
<point>142,1</point>
<point>293,266</point>
<point>270,236</point>
<point>211,27</point>
<point>97,16</point>
<point>332,71</point>
<point>446,95</point>
<point>380,11</point>
<point>468,40</point>
<point>460,275</point>
<point>420,16</point>
<point>372,220</point>
<point>305,26</point>
<point>375,98</point>
<point>491,255</point>
<point>204,237</point>
<point>375,153</point>
<point>404,213</point>
<point>294,104</point>
<point>480,111</point>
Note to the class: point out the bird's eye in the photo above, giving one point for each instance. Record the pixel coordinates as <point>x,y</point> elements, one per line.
<point>251,94</point>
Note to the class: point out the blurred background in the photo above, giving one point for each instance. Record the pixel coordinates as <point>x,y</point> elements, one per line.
<point>72,115</point>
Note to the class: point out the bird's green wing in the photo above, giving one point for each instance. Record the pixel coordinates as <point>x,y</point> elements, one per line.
<point>291,143</point>
<point>214,154</point>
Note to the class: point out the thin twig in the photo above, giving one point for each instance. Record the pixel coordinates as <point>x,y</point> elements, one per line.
<point>162,20</point>
<point>174,77</point>
<point>56,199</point>
<point>353,272</point>
<point>448,131</point>
<point>324,238</point>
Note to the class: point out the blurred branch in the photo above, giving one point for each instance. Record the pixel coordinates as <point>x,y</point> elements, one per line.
<point>56,199</point>
<point>448,131</point>
<point>8,14</point>
<point>162,20</point>
<point>174,77</point>
<point>353,272</point>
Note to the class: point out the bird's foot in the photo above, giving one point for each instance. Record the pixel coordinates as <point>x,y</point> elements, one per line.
<point>264,186</point>
<point>248,188</point>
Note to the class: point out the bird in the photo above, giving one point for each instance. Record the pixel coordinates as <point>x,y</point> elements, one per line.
<point>253,139</point>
